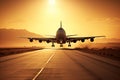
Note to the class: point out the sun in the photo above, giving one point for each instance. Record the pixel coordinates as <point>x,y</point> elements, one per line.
<point>52,7</point>
<point>51,2</point>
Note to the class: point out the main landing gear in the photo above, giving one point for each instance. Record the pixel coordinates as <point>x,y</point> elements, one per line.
<point>69,45</point>
<point>61,45</point>
<point>53,44</point>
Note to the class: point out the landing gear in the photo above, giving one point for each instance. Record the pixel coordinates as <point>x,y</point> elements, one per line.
<point>69,45</point>
<point>53,44</point>
<point>61,45</point>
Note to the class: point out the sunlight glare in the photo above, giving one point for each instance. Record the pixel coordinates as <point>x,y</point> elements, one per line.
<point>52,7</point>
<point>52,2</point>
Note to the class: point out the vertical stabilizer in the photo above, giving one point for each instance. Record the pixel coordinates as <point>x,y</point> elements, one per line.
<point>60,24</point>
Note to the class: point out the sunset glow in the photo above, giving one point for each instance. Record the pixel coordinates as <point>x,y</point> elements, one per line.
<point>52,2</point>
<point>84,18</point>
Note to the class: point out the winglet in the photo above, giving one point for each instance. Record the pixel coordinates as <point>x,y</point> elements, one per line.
<point>60,24</point>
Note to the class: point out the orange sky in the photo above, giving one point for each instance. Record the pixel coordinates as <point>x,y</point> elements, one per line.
<point>82,17</point>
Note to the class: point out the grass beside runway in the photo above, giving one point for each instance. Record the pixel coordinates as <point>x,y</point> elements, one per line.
<point>11,51</point>
<point>113,53</point>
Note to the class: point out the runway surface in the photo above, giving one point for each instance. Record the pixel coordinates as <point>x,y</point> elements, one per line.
<point>56,64</point>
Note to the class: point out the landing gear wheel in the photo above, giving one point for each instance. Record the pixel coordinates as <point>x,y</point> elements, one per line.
<point>69,45</point>
<point>61,45</point>
<point>53,45</point>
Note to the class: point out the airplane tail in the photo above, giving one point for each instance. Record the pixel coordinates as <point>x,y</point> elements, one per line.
<point>60,24</point>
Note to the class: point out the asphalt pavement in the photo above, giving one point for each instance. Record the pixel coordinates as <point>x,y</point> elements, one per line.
<point>58,64</point>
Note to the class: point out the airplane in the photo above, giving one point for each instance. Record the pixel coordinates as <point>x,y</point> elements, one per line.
<point>61,38</point>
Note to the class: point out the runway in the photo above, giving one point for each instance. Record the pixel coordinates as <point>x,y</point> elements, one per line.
<point>57,64</point>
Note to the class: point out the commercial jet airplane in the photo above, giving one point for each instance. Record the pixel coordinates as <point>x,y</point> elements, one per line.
<point>61,38</point>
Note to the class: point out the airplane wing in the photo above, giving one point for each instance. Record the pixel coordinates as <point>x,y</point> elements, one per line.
<point>31,39</point>
<point>74,39</point>
<point>71,35</point>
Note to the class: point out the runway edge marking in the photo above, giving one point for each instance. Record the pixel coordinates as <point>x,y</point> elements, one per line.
<point>35,77</point>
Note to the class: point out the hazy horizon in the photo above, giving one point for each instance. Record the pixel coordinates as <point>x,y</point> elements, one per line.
<point>10,38</point>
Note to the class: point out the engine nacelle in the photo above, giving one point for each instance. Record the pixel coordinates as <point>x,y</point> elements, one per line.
<point>83,40</point>
<point>40,41</point>
<point>48,41</point>
<point>31,40</point>
<point>92,39</point>
<point>74,41</point>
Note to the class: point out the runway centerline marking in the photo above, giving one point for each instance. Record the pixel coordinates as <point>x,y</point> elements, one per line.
<point>43,67</point>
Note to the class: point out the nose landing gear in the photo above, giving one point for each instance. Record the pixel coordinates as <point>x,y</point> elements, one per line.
<point>69,45</point>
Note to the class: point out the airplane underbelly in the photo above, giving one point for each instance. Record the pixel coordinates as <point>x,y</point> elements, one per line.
<point>61,36</point>
<point>61,40</point>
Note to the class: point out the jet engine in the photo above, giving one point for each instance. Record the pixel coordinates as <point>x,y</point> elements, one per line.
<point>48,41</point>
<point>74,41</point>
<point>92,39</point>
<point>31,40</point>
<point>83,40</point>
<point>40,41</point>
